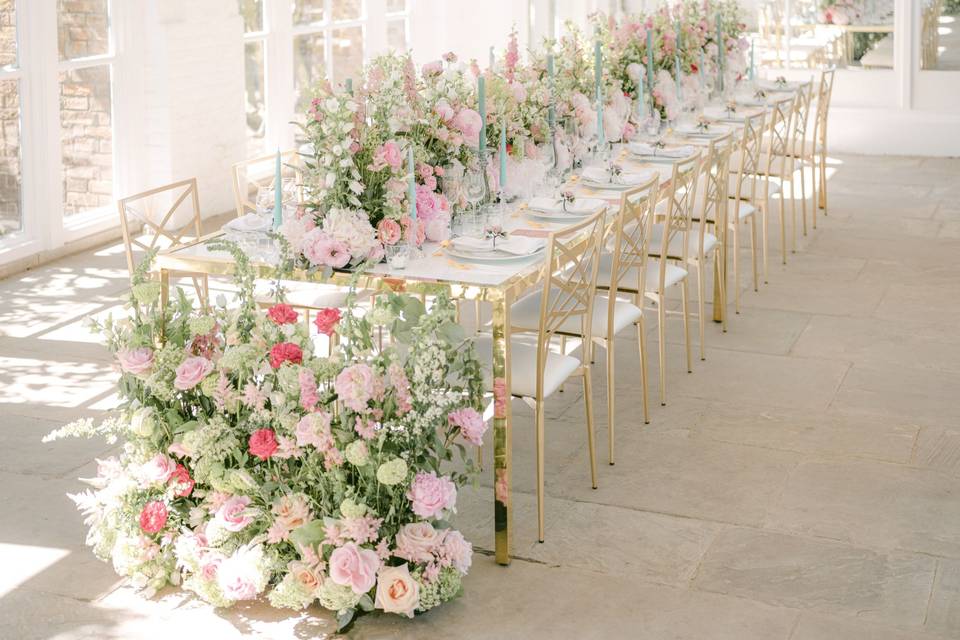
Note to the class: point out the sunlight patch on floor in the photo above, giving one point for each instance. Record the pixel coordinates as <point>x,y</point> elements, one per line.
<point>22,562</point>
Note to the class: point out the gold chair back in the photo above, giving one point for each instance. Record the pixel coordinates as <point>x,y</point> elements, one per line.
<point>751,143</point>
<point>779,136</point>
<point>630,229</point>
<point>168,216</point>
<point>824,93</point>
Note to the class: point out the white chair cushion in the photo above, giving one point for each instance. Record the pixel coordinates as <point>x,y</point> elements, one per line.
<point>525,314</point>
<point>306,294</point>
<point>673,275</point>
<point>523,367</point>
<point>745,192</point>
<point>674,249</point>
<point>741,209</point>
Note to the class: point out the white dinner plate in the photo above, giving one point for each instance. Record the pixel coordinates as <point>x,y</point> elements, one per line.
<point>557,216</point>
<point>491,256</point>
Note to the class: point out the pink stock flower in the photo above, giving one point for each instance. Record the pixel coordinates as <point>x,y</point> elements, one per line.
<point>308,389</point>
<point>326,320</point>
<point>138,361</point>
<point>356,386</point>
<point>285,352</point>
<point>282,314</point>
<point>354,567</point>
<point>287,448</point>
<point>471,424</point>
<point>153,516</point>
<point>263,443</point>
<point>468,122</point>
<point>232,514</point>
<point>366,429</point>
<point>389,231</point>
<point>431,495</point>
<point>191,371</point>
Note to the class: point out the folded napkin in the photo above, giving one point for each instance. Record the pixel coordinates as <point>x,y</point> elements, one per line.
<point>712,130</point>
<point>599,175</point>
<point>644,149</point>
<point>517,245</point>
<point>250,223</point>
<point>721,113</point>
<point>580,206</point>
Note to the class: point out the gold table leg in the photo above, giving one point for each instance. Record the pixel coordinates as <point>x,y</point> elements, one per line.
<point>502,504</point>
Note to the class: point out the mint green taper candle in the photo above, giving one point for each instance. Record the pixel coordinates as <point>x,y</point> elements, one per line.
<point>348,84</point>
<point>482,107</point>
<point>278,193</point>
<point>411,186</point>
<point>551,110</point>
<point>650,64</point>
<point>503,157</point>
<point>720,47</point>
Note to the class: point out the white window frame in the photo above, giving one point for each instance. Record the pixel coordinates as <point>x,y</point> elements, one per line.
<point>278,35</point>
<point>44,227</point>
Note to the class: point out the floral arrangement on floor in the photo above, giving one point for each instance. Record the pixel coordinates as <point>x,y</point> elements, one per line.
<point>841,12</point>
<point>358,177</point>
<point>252,466</point>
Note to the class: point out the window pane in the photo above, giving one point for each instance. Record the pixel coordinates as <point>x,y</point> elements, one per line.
<point>11,220</point>
<point>256,101</point>
<point>940,35</point>
<point>309,66</point>
<point>396,6</point>
<point>307,11</point>
<point>87,139</point>
<point>83,28</point>
<point>8,32</point>
<point>347,53</point>
<point>347,9</point>
<point>397,35</point>
<point>252,13</point>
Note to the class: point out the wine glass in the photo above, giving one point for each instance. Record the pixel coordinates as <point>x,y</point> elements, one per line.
<point>474,187</point>
<point>265,200</point>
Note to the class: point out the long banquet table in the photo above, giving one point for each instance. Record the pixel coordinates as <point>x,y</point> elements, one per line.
<point>499,285</point>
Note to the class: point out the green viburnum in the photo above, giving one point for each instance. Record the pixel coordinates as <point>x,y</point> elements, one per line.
<point>337,597</point>
<point>146,292</point>
<point>201,326</point>
<point>392,472</point>
<point>290,594</point>
<point>351,509</point>
<point>356,453</point>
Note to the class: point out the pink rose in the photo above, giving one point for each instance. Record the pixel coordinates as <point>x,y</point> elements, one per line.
<point>471,424</point>
<point>191,371</point>
<point>417,541</point>
<point>468,122</point>
<point>282,314</point>
<point>285,352</point>
<point>326,320</point>
<point>157,470</point>
<point>136,361</point>
<point>354,567</point>
<point>291,511</point>
<point>232,514</point>
<point>397,591</point>
<point>392,155</point>
<point>389,231</point>
<point>153,516</point>
<point>263,443</point>
<point>432,495</point>
<point>307,575</point>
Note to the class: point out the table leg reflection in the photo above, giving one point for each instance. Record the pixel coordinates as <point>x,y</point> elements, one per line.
<point>502,505</point>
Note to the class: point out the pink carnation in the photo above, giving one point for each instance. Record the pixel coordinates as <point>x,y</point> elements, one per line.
<point>431,495</point>
<point>153,516</point>
<point>191,371</point>
<point>285,352</point>
<point>282,314</point>
<point>326,320</point>
<point>136,361</point>
<point>263,443</point>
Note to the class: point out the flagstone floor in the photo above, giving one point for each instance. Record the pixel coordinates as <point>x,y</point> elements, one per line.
<point>803,483</point>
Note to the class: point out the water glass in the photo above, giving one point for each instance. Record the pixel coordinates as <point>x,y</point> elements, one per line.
<point>398,255</point>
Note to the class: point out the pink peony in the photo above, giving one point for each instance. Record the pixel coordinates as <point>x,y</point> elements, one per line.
<point>354,567</point>
<point>153,516</point>
<point>468,122</point>
<point>191,371</point>
<point>240,577</point>
<point>263,443</point>
<point>322,250</point>
<point>389,231</point>
<point>471,424</point>
<point>282,314</point>
<point>181,478</point>
<point>432,495</point>
<point>326,320</point>
<point>444,110</point>
<point>139,361</point>
<point>355,386</point>
<point>285,352</point>
<point>456,548</point>
<point>232,514</point>
<point>397,591</point>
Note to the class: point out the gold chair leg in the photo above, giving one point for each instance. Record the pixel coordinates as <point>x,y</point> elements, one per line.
<point>783,226</point>
<point>642,339</point>
<point>814,193</point>
<point>753,251</point>
<point>611,394</point>
<point>684,300</point>
<point>662,330</point>
<point>719,266</point>
<point>793,208</point>
<point>823,182</point>
<point>540,469</point>
<point>803,195</point>
<point>701,305</point>
<point>480,457</point>
<point>736,267</point>
<point>591,445</point>
<point>763,227</point>
<point>476,316</point>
